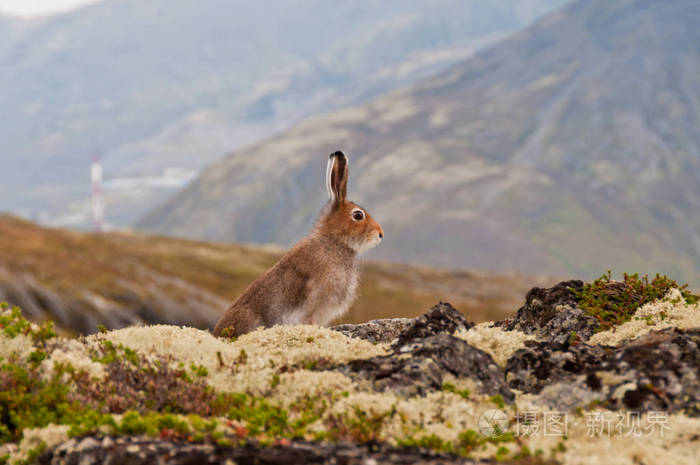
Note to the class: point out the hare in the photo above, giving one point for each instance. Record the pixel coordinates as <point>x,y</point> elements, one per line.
<point>316,280</point>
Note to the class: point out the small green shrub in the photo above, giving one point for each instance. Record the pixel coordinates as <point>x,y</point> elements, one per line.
<point>614,302</point>
<point>358,426</point>
<point>13,324</point>
<point>136,383</point>
<point>27,401</point>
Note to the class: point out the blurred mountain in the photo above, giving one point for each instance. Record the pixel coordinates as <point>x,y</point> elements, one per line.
<point>81,280</point>
<point>570,148</point>
<point>158,89</point>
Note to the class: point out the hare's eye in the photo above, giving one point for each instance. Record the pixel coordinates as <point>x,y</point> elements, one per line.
<point>358,215</point>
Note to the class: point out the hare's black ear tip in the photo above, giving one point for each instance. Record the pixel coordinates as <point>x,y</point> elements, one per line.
<point>338,154</point>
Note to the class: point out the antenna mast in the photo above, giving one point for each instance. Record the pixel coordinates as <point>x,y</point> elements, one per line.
<point>98,210</point>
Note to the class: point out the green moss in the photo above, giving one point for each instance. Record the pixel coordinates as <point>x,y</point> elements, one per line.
<point>109,353</point>
<point>614,302</point>
<point>32,455</point>
<point>228,333</point>
<point>130,355</point>
<point>524,453</point>
<point>262,417</point>
<point>310,364</point>
<point>574,338</point>
<point>192,428</point>
<point>433,442</point>
<point>502,453</point>
<point>498,400</point>
<point>224,442</point>
<point>449,387</point>
<point>467,442</point>
<point>199,370</point>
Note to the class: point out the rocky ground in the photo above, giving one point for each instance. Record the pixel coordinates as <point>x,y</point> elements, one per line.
<point>603,373</point>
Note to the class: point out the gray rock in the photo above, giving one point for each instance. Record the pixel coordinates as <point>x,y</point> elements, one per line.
<point>443,318</point>
<point>541,305</point>
<point>567,322</point>
<point>136,450</point>
<point>385,330</point>
<point>543,363</point>
<point>420,366</point>
<point>657,371</point>
<point>663,368</point>
<point>567,396</point>
<point>552,314</point>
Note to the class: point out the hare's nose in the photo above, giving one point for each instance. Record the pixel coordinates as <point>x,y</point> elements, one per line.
<point>381,234</point>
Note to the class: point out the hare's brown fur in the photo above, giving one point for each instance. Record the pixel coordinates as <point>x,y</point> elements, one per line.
<point>315,281</point>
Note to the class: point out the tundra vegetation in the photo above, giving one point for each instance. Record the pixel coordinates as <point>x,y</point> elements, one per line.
<point>278,386</point>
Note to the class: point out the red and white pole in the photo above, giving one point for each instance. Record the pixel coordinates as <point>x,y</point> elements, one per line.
<point>98,210</point>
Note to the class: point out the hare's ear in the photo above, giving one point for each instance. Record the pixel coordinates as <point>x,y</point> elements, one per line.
<point>337,178</point>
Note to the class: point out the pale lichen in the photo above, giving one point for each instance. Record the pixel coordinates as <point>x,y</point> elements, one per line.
<point>495,341</point>
<point>248,363</point>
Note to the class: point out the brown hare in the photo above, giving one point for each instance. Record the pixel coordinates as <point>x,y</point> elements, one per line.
<point>315,282</point>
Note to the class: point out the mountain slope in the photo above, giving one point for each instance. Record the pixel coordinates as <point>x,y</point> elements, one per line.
<point>116,279</point>
<point>176,83</point>
<point>570,147</point>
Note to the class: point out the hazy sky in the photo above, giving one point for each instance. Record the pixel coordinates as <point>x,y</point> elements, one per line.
<point>39,7</point>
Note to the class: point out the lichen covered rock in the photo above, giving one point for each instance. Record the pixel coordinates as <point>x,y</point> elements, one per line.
<point>441,319</point>
<point>385,330</point>
<point>552,314</point>
<point>420,365</point>
<point>659,371</point>
<point>387,391</point>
